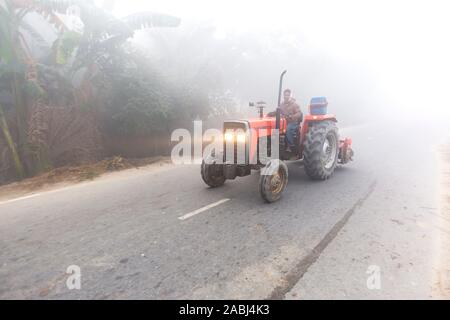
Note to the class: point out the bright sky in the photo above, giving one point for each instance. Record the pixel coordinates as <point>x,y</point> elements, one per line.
<point>404,42</point>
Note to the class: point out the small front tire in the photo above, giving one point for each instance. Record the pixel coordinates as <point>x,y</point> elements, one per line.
<point>211,172</point>
<point>273,180</point>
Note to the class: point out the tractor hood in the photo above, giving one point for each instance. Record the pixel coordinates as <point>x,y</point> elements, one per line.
<point>265,123</point>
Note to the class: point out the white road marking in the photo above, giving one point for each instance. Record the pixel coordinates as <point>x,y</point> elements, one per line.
<point>37,194</point>
<point>209,206</point>
<point>21,198</point>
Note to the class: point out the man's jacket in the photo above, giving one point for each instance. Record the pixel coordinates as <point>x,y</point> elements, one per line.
<point>291,111</point>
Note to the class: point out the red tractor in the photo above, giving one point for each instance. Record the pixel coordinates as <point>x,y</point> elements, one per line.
<point>317,145</point>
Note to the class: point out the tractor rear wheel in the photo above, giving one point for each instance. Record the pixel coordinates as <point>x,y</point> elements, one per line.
<point>273,180</point>
<point>321,150</point>
<point>211,172</point>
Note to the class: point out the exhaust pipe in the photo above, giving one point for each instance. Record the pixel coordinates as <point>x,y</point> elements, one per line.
<point>277,119</point>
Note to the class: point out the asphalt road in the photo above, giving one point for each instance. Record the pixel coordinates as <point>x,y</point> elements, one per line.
<point>379,213</point>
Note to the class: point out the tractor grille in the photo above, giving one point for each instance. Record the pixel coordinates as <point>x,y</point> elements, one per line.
<point>236,142</point>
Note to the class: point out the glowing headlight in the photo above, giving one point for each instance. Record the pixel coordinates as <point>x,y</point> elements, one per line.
<point>240,138</point>
<point>228,136</point>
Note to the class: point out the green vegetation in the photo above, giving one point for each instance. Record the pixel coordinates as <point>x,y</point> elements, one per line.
<point>73,93</point>
<point>57,86</point>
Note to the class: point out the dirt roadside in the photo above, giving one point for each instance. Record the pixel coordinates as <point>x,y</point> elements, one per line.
<point>66,176</point>
<point>441,286</point>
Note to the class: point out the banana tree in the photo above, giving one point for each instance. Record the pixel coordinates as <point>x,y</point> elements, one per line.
<point>101,38</point>
<point>11,145</point>
<point>16,67</point>
<point>86,52</point>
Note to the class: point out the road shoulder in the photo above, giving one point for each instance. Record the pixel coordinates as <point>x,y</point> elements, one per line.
<point>441,287</point>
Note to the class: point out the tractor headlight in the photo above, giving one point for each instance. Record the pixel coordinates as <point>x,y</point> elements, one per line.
<point>231,136</point>
<point>228,136</point>
<point>240,137</point>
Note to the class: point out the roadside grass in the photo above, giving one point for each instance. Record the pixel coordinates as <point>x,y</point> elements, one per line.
<point>75,174</point>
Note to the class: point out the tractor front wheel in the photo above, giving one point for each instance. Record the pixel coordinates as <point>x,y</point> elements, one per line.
<point>321,150</point>
<point>273,180</point>
<point>212,173</point>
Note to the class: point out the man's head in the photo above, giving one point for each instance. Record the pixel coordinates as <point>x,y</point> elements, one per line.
<point>287,95</point>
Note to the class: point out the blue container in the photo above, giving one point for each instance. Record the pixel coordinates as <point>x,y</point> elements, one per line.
<point>318,106</point>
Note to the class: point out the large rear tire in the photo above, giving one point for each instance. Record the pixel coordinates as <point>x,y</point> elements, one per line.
<point>211,172</point>
<point>321,150</point>
<point>273,180</point>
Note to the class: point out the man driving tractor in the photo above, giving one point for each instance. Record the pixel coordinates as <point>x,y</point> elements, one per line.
<point>290,110</point>
<point>317,144</point>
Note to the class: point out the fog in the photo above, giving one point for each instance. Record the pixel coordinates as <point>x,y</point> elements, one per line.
<point>383,57</point>
<point>143,77</point>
